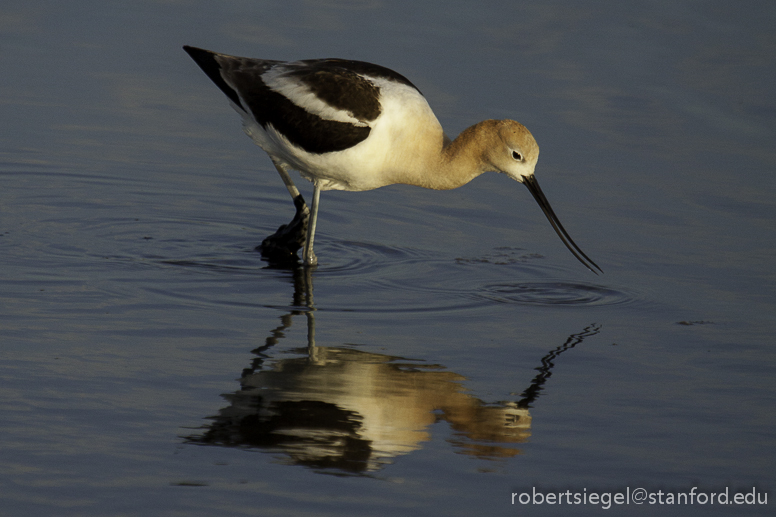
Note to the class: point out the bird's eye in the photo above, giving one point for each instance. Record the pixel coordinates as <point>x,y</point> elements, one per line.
<point>517,156</point>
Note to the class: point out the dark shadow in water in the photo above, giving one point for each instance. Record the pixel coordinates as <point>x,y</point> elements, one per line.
<point>344,411</point>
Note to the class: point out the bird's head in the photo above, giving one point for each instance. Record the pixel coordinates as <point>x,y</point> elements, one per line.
<point>515,151</point>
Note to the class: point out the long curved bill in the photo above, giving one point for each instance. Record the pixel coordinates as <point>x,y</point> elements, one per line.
<point>536,191</point>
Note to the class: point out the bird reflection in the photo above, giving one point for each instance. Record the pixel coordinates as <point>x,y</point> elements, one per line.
<point>347,411</point>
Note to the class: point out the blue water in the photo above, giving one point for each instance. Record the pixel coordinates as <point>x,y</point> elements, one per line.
<point>448,351</point>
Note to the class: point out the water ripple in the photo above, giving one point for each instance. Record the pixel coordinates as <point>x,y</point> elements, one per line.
<point>367,277</point>
<point>554,294</point>
<point>348,258</point>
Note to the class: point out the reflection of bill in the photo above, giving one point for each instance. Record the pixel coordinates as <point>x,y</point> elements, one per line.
<point>354,411</point>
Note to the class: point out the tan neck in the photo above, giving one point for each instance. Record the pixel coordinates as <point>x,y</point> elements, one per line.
<point>456,163</point>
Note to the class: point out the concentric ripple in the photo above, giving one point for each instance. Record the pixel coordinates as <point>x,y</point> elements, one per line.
<point>554,294</point>
<point>350,258</point>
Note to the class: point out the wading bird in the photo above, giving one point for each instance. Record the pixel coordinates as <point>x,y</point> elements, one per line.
<point>350,125</point>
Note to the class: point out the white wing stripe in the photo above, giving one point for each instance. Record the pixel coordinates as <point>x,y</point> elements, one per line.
<point>302,96</point>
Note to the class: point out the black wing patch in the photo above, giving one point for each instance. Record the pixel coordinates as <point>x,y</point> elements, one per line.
<point>337,82</point>
<point>341,89</point>
<point>209,63</point>
<point>312,133</point>
<point>341,84</point>
<point>364,68</point>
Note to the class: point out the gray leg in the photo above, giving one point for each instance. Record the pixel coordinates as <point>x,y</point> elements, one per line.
<point>309,257</point>
<point>283,171</point>
<point>284,243</point>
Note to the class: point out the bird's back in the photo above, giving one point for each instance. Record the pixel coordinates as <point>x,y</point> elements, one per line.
<point>317,115</point>
<point>319,105</point>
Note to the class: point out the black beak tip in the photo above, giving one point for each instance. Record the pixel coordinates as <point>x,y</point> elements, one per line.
<point>533,187</point>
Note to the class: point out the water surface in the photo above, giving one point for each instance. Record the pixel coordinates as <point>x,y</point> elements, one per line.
<point>448,351</point>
